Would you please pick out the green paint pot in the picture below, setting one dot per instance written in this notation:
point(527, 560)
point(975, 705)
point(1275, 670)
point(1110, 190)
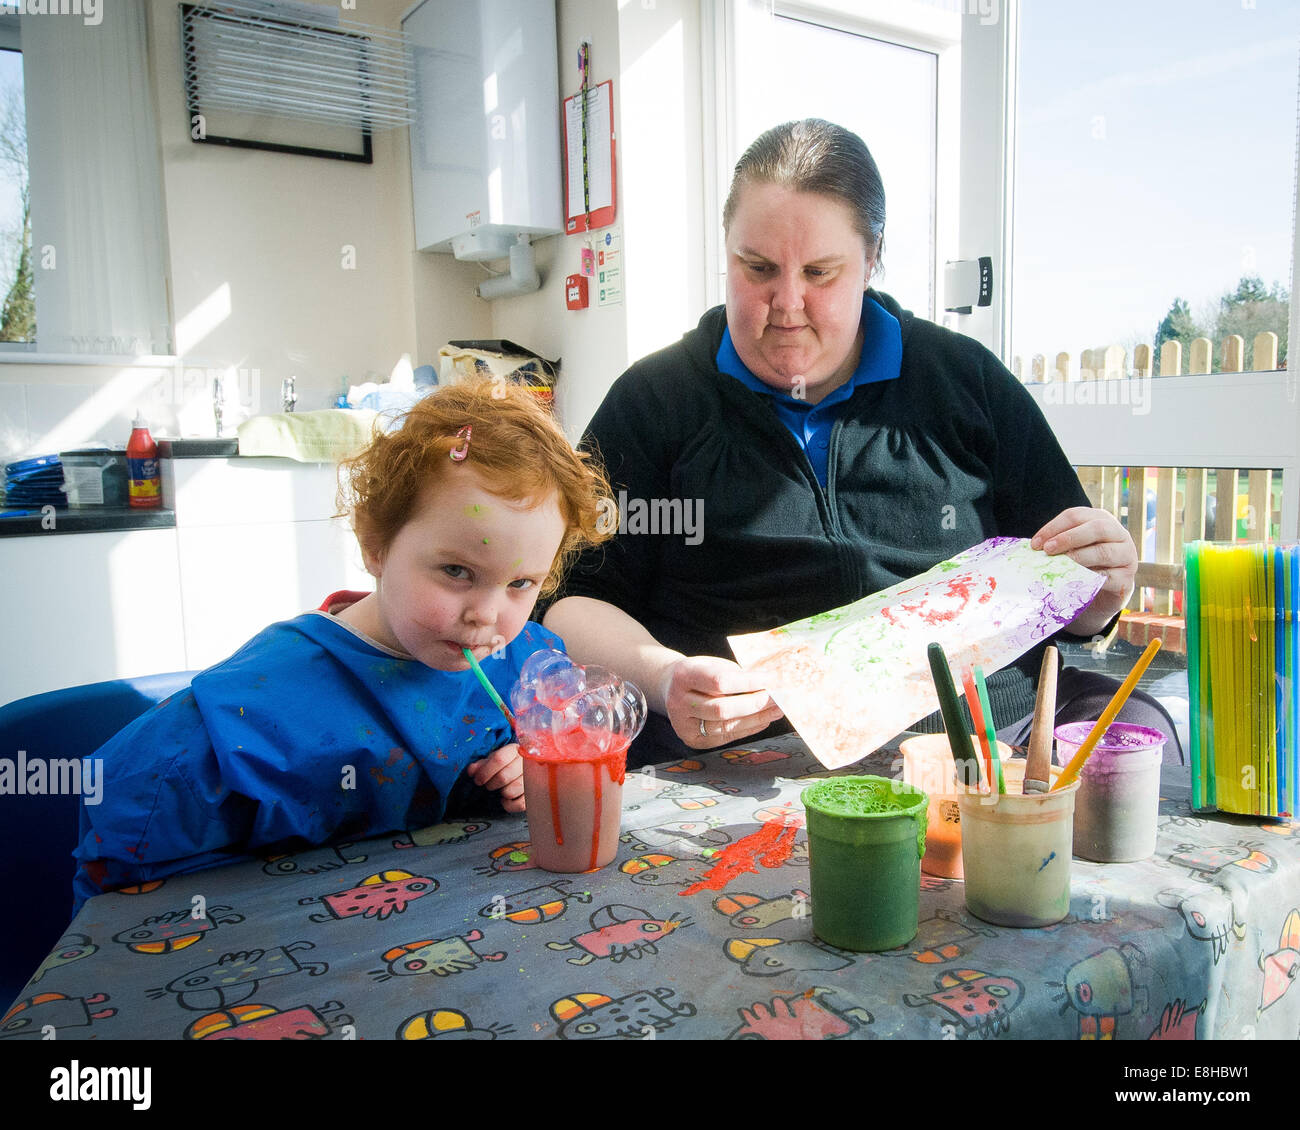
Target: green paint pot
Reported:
point(866, 836)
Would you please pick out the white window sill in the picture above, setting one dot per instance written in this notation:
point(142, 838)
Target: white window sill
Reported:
point(20, 356)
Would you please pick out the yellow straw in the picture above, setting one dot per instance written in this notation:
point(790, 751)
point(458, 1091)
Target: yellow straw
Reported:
point(1071, 771)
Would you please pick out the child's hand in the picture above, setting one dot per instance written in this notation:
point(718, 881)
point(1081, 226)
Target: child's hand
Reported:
point(501, 771)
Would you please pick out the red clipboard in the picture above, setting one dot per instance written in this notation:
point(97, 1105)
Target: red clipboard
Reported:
point(601, 166)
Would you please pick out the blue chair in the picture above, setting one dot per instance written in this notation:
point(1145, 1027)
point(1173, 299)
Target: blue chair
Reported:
point(38, 833)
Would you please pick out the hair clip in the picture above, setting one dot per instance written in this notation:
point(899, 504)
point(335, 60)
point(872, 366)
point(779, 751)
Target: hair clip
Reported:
point(459, 452)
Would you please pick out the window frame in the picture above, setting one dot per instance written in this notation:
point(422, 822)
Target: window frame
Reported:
point(11, 40)
point(905, 24)
point(31, 353)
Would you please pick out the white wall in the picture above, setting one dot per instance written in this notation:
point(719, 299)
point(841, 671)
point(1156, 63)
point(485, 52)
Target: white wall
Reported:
point(257, 243)
point(652, 53)
point(591, 343)
point(273, 231)
point(258, 280)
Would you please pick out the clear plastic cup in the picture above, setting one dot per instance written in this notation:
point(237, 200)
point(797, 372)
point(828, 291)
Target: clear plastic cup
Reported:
point(1016, 855)
point(1115, 813)
point(574, 803)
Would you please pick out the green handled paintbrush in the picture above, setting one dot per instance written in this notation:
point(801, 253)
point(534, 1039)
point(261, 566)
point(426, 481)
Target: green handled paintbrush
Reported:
point(959, 742)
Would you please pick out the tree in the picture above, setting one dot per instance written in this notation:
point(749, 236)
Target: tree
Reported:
point(18, 312)
point(1251, 309)
point(1178, 325)
point(1248, 310)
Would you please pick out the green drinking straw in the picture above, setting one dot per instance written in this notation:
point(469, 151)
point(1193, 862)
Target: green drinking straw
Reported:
point(958, 736)
point(989, 732)
point(491, 690)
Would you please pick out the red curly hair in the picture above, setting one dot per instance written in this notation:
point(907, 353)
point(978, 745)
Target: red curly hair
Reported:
point(516, 447)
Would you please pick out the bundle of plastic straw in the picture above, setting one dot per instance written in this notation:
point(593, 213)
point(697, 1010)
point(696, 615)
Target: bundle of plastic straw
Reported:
point(1243, 659)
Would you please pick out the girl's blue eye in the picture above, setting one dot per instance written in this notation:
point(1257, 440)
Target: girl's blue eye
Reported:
point(522, 583)
point(455, 572)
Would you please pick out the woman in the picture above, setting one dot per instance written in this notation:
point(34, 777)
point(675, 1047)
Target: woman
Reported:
point(833, 444)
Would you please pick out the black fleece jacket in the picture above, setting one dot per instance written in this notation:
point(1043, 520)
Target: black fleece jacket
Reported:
point(952, 452)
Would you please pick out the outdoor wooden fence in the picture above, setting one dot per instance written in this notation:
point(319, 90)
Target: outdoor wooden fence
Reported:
point(1246, 501)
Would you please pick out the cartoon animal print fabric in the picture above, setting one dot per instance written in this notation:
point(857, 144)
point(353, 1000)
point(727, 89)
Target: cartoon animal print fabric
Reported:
point(703, 927)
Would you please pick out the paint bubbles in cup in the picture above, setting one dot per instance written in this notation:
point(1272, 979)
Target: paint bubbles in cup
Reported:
point(560, 685)
point(541, 662)
point(522, 696)
point(585, 709)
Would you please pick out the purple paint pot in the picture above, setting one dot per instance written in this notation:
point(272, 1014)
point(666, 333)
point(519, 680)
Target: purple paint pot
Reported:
point(1119, 795)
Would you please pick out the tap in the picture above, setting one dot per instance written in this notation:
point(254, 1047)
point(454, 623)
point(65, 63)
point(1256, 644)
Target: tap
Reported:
point(288, 395)
point(218, 400)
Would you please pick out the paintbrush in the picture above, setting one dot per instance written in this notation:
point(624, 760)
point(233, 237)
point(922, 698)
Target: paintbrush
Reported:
point(958, 738)
point(977, 724)
point(491, 690)
point(1071, 771)
point(1038, 766)
point(990, 733)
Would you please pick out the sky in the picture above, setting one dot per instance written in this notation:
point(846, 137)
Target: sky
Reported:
point(1156, 159)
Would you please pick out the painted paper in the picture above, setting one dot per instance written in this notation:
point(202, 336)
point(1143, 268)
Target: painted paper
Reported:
point(851, 678)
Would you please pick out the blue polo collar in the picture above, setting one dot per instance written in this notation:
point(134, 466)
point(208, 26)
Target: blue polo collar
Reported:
point(881, 359)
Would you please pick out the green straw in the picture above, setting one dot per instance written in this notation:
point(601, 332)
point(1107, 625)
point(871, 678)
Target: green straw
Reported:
point(989, 732)
point(491, 690)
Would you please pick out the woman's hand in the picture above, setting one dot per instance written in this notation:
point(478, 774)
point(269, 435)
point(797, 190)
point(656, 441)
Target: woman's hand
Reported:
point(713, 702)
point(1096, 540)
point(501, 771)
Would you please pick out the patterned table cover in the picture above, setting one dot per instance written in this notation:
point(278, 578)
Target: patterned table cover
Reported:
point(700, 929)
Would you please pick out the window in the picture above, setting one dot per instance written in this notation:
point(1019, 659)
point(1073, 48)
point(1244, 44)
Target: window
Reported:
point(97, 220)
point(17, 308)
point(1148, 214)
point(1154, 180)
point(892, 84)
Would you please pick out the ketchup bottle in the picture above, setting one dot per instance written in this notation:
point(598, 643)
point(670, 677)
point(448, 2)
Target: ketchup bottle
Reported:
point(142, 467)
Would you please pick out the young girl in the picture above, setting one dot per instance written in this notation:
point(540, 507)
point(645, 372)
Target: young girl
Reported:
point(364, 716)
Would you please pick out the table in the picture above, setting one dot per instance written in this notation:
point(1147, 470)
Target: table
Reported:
point(701, 929)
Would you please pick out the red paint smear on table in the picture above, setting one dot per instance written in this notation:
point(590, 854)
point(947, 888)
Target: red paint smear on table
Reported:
point(771, 846)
